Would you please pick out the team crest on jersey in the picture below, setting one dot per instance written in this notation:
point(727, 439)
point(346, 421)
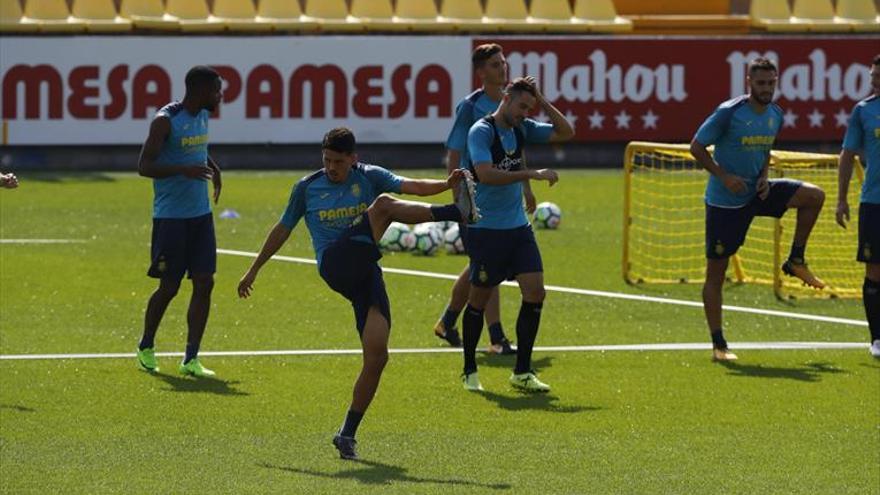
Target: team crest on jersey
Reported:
point(482, 275)
point(356, 190)
point(162, 265)
point(866, 251)
point(719, 248)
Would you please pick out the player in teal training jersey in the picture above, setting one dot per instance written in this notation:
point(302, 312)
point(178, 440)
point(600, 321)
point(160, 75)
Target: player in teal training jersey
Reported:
point(743, 131)
point(175, 156)
point(863, 134)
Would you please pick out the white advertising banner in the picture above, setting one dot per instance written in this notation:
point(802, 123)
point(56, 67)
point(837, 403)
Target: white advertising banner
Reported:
point(103, 90)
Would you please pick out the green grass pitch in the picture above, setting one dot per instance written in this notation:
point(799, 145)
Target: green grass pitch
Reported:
point(805, 421)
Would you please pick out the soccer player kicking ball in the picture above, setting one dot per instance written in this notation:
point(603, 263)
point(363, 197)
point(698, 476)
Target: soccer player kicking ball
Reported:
point(501, 245)
point(743, 131)
point(346, 213)
point(863, 133)
point(175, 156)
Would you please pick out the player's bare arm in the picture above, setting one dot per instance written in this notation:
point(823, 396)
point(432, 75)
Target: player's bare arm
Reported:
point(215, 178)
point(493, 176)
point(562, 129)
point(844, 175)
point(430, 187)
point(160, 128)
point(276, 238)
point(763, 185)
point(732, 182)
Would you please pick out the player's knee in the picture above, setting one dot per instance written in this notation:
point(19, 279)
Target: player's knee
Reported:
point(168, 289)
point(376, 358)
point(535, 294)
point(383, 203)
point(203, 284)
point(814, 195)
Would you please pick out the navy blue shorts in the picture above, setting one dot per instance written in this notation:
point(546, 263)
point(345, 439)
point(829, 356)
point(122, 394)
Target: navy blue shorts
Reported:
point(499, 255)
point(183, 246)
point(351, 268)
point(869, 233)
point(726, 228)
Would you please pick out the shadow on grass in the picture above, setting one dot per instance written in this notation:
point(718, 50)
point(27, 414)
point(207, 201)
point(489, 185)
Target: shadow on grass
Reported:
point(16, 407)
point(377, 473)
point(179, 383)
point(508, 362)
point(811, 372)
point(522, 401)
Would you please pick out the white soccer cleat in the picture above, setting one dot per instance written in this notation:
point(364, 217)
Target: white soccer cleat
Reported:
point(875, 349)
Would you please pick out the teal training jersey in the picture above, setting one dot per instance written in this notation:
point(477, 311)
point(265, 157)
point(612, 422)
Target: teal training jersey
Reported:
point(863, 134)
point(743, 140)
point(187, 144)
point(329, 208)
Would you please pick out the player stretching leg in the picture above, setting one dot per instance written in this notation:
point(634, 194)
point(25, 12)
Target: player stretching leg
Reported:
point(743, 131)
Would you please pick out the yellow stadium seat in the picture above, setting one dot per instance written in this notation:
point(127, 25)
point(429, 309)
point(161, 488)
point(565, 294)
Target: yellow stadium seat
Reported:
point(772, 15)
point(555, 15)
point(147, 14)
point(672, 7)
point(284, 15)
point(238, 15)
point(10, 18)
point(374, 15)
point(817, 15)
point(51, 16)
point(331, 15)
point(601, 16)
point(860, 14)
point(99, 16)
point(510, 16)
point(464, 15)
point(419, 15)
point(193, 15)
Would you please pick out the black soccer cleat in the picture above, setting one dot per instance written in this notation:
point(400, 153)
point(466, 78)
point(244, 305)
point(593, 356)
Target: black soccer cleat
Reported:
point(448, 334)
point(346, 447)
point(504, 348)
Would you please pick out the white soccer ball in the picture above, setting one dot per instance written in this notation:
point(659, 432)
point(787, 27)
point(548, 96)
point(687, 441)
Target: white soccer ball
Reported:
point(398, 237)
point(454, 243)
point(547, 215)
point(428, 239)
point(446, 225)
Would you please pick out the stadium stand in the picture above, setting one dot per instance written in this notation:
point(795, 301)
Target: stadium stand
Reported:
point(601, 15)
point(463, 15)
point(51, 16)
point(419, 15)
point(11, 18)
point(192, 15)
point(147, 14)
point(860, 14)
point(817, 15)
point(284, 15)
point(772, 15)
point(331, 16)
point(509, 16)
point(238, 15)
point(374, 15)
point(556, 15)
point(99, 16)
point(683, 17)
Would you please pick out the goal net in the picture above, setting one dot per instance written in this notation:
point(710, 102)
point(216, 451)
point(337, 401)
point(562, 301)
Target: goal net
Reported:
point(664, 224)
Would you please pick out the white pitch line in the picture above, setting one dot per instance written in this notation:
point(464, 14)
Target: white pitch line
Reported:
point(41, 241)
point(595, 293)
point(697, 346)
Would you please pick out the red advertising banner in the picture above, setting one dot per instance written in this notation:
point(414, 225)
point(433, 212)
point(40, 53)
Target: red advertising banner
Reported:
point(622, 89)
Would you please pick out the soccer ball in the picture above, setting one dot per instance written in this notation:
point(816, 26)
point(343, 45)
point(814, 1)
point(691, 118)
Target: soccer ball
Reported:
point(547, 215)
point(454, 243)
point(397, 237)
point(446, 225)
point(428, 239)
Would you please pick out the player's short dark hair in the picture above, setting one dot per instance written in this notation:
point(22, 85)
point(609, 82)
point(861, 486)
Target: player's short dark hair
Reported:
point(340, 139)
point(200, 76)
point(521, 85)
point(483, 53)
point(876, 60)
point(762, 63)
